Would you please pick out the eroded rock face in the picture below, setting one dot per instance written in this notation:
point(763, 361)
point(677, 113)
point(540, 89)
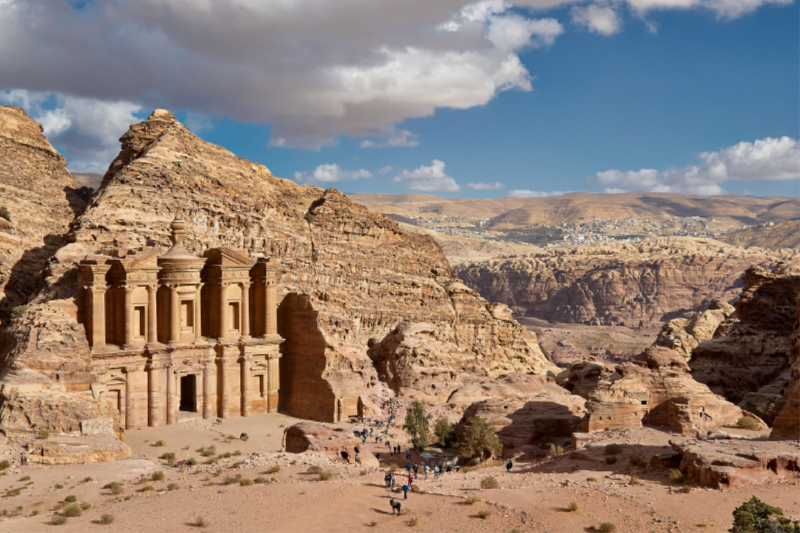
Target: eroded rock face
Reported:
point(730, 464)
point(69, 450)
point(333, 442)
point(655, 389)
point(634, 285)
point(787, 424)
point(684, 334)
point(752, 348)
point(350, 277)
point(523, 422)
point(39, 194)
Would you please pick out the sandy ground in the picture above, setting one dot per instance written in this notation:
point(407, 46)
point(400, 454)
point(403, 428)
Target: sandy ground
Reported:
point(532, 498)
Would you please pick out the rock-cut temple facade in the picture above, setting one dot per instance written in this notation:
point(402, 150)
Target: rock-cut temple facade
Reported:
point(174, 335)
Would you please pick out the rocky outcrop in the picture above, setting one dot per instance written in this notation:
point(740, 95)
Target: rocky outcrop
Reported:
point(655, 389)
point(787, 424)
point(634, 285)
point(752, 348)
point(730, 464)
point(351, 278)
point(682, 335)
point(308, 437)
point(41, 199)
point(522, 423)
point(68, 450)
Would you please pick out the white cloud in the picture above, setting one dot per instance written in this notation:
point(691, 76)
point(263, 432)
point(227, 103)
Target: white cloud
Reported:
point(480, 186)
point(524, 193)
point(330, 173)
point(393, 138)
point(385, 170)
point(86, 129)
point(599, 19)
point(430, 178)
point(763, 160)
point(724, 9)
point(514, 32)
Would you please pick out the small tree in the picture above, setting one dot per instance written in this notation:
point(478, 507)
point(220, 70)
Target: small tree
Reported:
point(754, 517)
point(418, 425)
point(443, 431)
point(477, 438)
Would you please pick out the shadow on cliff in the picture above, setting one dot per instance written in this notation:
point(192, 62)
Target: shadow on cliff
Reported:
point(22, 281)
point(537, 423)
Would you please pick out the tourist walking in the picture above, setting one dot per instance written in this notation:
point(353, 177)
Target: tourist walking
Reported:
point(509, 466)
point(394, 480)
point(387, 479)
point(405, 491)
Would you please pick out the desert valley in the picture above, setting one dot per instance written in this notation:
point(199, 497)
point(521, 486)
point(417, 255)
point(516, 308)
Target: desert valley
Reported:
point(190, 342)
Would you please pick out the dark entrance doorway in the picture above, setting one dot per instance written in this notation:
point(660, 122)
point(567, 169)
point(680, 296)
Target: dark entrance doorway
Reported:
point(188, 393)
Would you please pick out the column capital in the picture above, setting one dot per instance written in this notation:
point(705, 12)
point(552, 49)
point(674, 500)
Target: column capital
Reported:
point(152, 288)
point(95, 287)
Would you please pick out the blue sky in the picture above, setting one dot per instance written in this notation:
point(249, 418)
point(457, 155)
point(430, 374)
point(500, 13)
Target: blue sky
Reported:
point(638, 106)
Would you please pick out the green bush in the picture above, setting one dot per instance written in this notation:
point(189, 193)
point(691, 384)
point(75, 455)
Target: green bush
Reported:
point(167, 456)
point(24, 478)
point(159, 443)
point(260, 480)
point(106, 519)
point(676, 476)
point(43, 434)
point(173, 486)
point(86, 506)
point(5, 465)
point(274, 469)
point(58, 520)
point(72, 511)
point(607, 527)
point(687, 489)
point(484, 513)
point(755, 516)
point(471, 500)
point(57, 486)
point(325, 475)
point(192, 461)
point(87, 480)
point(18, 311)
point(489, 482)
point(634, 480)
point(573, 506)
point(244, 482)
point(147, 488)
point(556, 451)
point(748, 422)
point(315, 469)
point(115, 487)
point(158, 475)
point(71, 498)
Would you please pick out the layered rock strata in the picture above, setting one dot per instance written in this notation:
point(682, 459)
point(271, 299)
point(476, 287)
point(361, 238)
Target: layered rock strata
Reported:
point(351, 278)
point(682, 335)
point(751, 348)
point(636, 285)
point(309, 437)
point(656, 389)
point(41, 199)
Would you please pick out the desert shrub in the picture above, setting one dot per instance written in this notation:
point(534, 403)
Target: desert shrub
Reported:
point(115, 487)
point(71, 499)
point(260, 480)
point(372, 523)
point(225, 455)
point(325, 475)
point(158, 475)
point(24, 478)
point(613, 449)
point(755, 516)
point(237, 453)
point(237, 464)
point(86, 506)
point(484, 513)
point(13, 492)
point(453, 405)
point(515, 530)
point(58, 520)
point(611, 459)
point(43, 434)
point(167, 456)
point(634, 480)
point(72, 511)
point(556, 451)
point(747, 422)
point(106, 519)
point(200, 522)
point(573, 506)
point(147, 488)
point(207, 451)
point(4, 213)
point(5, 465)
point(364, 472)
point(591, 479)
point(607, 527)
point(274, 469)
point(35, 512)
point(687, 489)
point(229, 480)
point(476, 438)
point(676, 476)
point(412, 522)
point(86, 480)
point(58, 486)
point(192, 461)
point(18, 311)
point(159, 443)
point(471, 500)
point(489, 482)
point(173, 486)
point(245, 482)
point(315, 469)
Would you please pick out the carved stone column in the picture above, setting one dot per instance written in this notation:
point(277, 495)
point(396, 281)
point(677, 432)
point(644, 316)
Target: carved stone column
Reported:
point(197, 322)
point(223, 310)
point(273, 383)
point(97, 315)
point(244, 319)
point(153, 392)
point(174, 315)
point(223, 378)
point(272, 304)
point(208, 391)
point(245, 407)
point(127, 313)
point(130, 404)
point(152, 317)
point(171, 411)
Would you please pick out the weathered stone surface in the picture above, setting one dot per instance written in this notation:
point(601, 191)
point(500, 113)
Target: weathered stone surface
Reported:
point(523, 422)
point(69, 450)
point(350, 277)
point(309, 437)
point(684, 334)
point(752, 347)
point(729, 464)
point(655, 389)
point(787, 423)
point(41, 198)
point(635, 285)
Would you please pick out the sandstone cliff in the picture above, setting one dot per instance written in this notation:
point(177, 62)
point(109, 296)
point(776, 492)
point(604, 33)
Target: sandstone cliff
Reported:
point(749, 357)
point(351, 278)
point(634, 285)
point(39, 194)
point(684, 334)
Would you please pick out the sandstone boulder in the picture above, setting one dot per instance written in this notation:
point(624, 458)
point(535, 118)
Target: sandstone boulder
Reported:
point(70, 450)
point(309, 437)
point(684, 334)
